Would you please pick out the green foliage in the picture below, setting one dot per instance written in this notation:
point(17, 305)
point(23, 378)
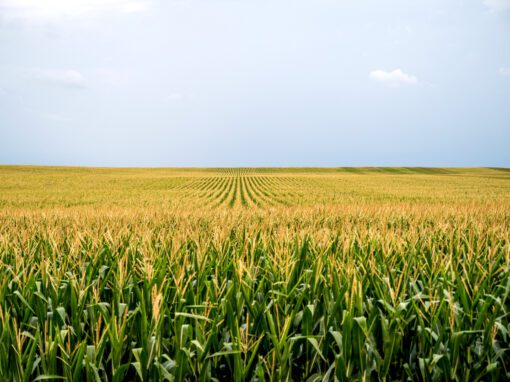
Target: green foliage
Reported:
point(352, 312)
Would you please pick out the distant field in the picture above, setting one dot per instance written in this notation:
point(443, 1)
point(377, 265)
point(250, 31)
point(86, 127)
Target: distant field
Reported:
point(259, 188)
point(256, 274)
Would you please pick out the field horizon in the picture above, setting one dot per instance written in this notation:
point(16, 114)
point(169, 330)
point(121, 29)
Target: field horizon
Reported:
point(337, 168)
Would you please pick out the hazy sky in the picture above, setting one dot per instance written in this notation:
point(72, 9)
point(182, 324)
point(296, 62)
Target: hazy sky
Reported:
point(255, 82)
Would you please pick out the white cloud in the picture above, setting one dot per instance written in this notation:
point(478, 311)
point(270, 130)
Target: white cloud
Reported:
point(69, 78)
point(172, 97)
point(394, 78)
point(52, 10)
point(56, 117)
point(505, 72)
point(497, 5)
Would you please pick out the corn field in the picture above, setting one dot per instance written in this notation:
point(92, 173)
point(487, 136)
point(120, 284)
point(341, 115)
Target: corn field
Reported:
point(344, 274)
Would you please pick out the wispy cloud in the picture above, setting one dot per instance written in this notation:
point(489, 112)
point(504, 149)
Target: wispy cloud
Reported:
point(68, 78)
point(56, 117)
point(394, 78)
point(505, 72)
point(497, 5)
point(52, 10)
point(173, 97)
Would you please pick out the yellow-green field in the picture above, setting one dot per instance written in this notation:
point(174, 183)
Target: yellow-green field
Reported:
point(254, 274)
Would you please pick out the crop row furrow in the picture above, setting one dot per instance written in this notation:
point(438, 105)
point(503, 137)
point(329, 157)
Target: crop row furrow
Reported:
point(190, 184)
point(217, 191)
point(251, 194)
point(227, 191)
point(259, 195)
point(234, 199)
point(194, 192)
point(243, 193)
point(209, 188)
point(262, 190)
point(270, 189)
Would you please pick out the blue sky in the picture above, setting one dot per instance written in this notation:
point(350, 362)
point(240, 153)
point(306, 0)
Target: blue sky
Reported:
point(255, 83)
